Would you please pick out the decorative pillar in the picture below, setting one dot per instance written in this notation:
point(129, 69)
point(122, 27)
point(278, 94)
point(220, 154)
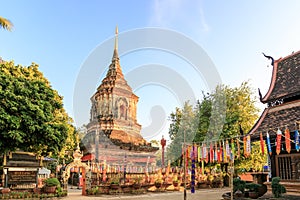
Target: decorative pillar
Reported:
point(163, 144)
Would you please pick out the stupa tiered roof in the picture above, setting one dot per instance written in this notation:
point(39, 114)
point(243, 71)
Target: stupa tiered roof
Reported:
point(113, 117)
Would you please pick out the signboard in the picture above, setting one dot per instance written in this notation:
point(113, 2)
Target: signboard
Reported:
point(17, 177)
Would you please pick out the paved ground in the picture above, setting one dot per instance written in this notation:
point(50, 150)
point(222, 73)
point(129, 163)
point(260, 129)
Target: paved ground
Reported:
point(209, 194)
point(205, 194)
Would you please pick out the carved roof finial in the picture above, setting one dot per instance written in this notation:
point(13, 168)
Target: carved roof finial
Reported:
point(116, 56)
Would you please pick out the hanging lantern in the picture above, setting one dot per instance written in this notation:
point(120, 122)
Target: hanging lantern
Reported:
point(278, 141)
point(287, 140)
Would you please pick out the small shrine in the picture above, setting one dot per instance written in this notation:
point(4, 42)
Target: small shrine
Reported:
point(279, 122)
point(113, 133)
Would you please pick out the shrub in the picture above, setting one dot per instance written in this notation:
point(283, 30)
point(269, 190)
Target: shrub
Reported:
point(253, 187)
point(115, 180)
point(52, 182)
point(277, 188)
point(238, 184)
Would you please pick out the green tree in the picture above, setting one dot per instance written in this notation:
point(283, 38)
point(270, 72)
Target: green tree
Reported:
point(158, 154)
point(5, 24)
point(32, 117)
point(183, 125)
point(219, 115)
point(225, 112)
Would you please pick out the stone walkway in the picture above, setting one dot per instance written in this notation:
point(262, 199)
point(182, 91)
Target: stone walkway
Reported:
point(209, 194)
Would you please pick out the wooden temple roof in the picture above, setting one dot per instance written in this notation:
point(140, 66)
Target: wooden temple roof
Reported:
point(285, 82)
point(280, 116)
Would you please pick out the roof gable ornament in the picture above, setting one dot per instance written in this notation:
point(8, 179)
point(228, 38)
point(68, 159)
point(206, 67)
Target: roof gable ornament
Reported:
point(269, 58)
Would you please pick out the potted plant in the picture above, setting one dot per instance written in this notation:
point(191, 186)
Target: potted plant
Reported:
point(239, 184)
point(137, 182)
point(253, 190)
point(51, 184)
point(114, 183)
point(158, 183)
point(175, 181)
point(5, 190)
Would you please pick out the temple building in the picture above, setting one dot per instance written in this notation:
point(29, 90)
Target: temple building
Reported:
point(281, 116)
point(113, 133)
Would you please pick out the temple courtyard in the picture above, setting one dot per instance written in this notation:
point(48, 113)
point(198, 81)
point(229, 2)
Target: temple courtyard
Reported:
point(207, 194)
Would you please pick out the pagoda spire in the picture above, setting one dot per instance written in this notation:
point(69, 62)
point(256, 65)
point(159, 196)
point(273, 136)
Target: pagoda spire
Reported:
point(116, 56)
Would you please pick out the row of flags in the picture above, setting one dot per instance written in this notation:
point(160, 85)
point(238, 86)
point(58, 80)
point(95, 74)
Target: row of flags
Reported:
point(226, 150)
point(121, 168)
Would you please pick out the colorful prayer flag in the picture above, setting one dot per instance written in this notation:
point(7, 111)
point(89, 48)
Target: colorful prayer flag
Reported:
point(199, 154)
point(278, 141)
point(211, 153)
point(221, 152)
point(297, 146)
point(269, 144)
point(238, 148)
point(224, 152)
point(287, 140)
point(247, 146)
point(232, 149)
point(262, 144)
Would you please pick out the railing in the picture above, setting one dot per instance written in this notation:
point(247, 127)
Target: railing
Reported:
point(284, 167)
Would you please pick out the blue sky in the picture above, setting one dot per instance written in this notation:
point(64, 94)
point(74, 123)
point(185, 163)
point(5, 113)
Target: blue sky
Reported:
point(60, 36)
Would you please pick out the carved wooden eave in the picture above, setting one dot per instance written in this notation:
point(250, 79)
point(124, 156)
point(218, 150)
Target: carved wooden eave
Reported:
point(280, 116)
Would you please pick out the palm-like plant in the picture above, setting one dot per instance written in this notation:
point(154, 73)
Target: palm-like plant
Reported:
point(5, 24)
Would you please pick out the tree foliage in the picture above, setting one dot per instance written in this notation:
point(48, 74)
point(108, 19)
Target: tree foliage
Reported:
point(5, 24)
point(182, 128)
point(32, 117)
point(225, 113)
point(255, 161)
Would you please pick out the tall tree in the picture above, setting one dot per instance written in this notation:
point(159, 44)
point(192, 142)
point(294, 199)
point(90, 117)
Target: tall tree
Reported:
point(32, 117)
point(5, 24)
point(181, 129)
point(221, 114)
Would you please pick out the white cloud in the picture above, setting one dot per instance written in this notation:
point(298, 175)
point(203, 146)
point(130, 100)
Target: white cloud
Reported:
point(179, 14)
